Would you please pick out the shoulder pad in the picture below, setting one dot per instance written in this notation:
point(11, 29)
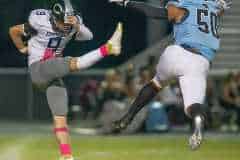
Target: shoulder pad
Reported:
point(38, 17)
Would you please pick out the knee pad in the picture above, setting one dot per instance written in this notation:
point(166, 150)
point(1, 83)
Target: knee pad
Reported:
point(194, 110)
point(156, 84)
point(57, 100)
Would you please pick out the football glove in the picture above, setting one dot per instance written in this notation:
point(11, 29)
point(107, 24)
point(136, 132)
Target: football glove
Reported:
point(120, 2)
point(224, 4)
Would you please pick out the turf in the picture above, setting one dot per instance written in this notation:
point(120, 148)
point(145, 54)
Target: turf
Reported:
point(6, 141)
point(135, 148)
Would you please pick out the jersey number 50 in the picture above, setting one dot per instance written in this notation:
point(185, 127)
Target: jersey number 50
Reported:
point(204, 26)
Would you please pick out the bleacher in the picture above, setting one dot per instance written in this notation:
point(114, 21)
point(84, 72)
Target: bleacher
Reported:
point(229, 57)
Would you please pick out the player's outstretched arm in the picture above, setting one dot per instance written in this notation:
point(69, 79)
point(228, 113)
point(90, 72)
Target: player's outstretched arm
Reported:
point(147, 9)
point(83, 33)
point(16, 33)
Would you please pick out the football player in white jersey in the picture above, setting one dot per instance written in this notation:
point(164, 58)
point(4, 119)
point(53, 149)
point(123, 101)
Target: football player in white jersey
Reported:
point(49, 31)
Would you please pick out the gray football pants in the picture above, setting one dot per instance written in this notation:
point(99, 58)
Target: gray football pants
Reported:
point(47, 76)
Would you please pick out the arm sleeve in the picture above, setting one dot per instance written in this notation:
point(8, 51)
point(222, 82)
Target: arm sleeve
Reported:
point(84, 33)
point(148, 10)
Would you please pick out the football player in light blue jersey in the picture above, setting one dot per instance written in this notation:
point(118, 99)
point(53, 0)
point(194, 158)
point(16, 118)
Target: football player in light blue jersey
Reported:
point(195, 27)
point(199, 27)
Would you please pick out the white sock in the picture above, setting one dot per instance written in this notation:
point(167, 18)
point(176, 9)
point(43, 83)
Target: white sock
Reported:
point(89, 59)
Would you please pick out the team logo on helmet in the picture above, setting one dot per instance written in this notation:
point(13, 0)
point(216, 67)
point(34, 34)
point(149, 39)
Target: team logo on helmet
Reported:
point(61, 8)
point(57, 9)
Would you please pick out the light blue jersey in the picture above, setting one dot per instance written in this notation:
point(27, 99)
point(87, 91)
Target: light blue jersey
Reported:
point(198, 29)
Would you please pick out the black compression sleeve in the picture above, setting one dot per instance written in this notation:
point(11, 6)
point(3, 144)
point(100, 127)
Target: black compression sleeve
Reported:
point(146, 94)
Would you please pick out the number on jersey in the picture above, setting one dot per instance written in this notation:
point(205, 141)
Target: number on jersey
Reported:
point(54, 43)
point(204, 26)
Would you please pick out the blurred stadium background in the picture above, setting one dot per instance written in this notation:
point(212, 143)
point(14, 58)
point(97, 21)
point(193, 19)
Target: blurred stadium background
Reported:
point(102, 94)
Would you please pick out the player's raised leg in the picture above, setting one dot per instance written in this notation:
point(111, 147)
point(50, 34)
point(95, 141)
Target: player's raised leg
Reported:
point(62, 66)
point(148, 92)
point(112, 47)
point(146, 95)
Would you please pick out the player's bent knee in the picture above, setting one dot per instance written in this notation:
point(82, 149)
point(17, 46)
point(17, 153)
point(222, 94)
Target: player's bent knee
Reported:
point(194, 110)
point(57, 100)
point(73, 64)
point(159, 84)
point(156, 84)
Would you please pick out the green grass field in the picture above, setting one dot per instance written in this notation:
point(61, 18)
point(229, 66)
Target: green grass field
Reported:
point(35, 147)
point(6, 141)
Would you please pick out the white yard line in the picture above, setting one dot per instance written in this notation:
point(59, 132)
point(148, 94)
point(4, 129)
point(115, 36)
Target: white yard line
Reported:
point(13, 152)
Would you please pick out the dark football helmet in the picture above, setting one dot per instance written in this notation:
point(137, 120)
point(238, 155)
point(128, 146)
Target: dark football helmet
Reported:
point(61, 9)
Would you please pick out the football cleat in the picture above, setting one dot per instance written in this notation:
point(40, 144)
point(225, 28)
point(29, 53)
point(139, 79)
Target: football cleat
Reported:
point(119, 125)
point(114, 45)
point(196, 139)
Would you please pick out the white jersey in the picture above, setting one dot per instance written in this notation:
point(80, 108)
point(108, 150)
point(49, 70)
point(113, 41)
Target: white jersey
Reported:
point(48, 42)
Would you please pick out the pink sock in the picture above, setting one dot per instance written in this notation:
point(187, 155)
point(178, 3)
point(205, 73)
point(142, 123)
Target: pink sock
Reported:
point(65, 149)
point(104, 50)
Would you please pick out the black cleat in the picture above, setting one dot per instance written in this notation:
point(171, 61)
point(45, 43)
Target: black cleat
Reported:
point(119, 125)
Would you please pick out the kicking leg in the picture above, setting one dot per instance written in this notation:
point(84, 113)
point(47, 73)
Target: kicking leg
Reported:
point(46, 71)
point(149, 91)
point(112, 47)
